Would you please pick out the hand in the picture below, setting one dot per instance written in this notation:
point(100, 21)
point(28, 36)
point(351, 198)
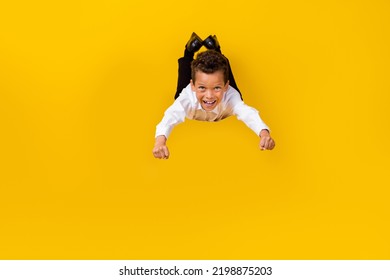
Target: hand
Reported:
point(160, 149)
point(266, 142)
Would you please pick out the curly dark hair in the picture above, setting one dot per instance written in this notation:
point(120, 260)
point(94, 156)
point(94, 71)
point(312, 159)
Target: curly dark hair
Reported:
point(209, 62)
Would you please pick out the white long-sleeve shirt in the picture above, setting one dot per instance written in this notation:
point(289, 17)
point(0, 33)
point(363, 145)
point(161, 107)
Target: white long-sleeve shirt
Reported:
point(187, 106)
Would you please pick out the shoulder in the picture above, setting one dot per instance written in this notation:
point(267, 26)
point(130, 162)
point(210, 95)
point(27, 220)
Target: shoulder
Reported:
point(187, 96)
point(186, 101)
point(232, 97)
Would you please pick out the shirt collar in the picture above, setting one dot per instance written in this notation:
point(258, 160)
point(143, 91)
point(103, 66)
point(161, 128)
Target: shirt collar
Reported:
point(215, 110)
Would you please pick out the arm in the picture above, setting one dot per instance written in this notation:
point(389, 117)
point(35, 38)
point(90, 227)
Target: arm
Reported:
point(250, 116)
point(174, 115)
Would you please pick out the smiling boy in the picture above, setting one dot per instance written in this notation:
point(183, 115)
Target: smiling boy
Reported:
point(211, 94)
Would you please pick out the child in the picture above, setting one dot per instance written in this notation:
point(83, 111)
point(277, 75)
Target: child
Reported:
point(206, 91)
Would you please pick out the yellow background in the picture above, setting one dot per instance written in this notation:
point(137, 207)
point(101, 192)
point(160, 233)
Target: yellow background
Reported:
point(84, 83)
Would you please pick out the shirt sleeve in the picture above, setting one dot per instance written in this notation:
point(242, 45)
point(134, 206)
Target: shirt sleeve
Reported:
point(249, 115)
point(174, 115)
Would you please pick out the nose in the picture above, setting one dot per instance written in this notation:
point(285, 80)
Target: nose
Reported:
point(209, 93)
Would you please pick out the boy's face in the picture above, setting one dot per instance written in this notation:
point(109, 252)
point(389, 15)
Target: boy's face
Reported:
point(209, 89)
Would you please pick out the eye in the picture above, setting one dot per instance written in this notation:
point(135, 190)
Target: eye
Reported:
point(218, 88)
point(201, 88)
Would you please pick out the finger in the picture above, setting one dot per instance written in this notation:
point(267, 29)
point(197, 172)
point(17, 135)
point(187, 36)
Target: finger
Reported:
point(162, 153)
point(270, 144)
point(158, 153)
point(165, 152)
point(262, 143)
point(155, 153)
point(265, 143)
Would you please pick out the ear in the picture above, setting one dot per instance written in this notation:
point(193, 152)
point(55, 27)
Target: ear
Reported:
point(192, 85)
point(227, 85)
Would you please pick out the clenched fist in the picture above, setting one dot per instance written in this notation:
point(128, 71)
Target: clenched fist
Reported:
point(160, 149)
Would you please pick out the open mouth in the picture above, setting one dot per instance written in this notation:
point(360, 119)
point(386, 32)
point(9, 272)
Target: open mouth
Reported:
point(209, 103)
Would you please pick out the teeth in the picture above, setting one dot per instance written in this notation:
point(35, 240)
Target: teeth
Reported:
point(209, 102)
